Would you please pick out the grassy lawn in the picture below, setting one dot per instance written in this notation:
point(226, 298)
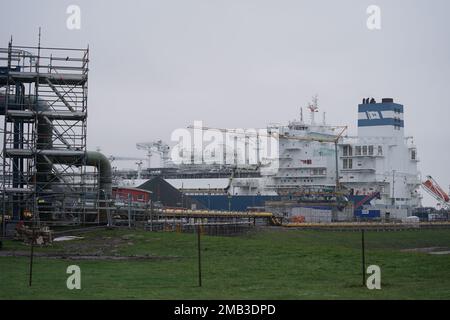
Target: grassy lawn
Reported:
point(269, 264)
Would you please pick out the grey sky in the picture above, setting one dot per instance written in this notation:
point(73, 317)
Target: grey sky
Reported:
point(160, 65)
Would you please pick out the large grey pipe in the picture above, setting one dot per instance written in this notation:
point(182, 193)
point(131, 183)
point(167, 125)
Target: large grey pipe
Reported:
point(101, 162)
point(45, 133)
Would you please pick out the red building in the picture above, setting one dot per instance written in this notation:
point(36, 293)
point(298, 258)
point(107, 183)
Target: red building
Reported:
point(136, 195)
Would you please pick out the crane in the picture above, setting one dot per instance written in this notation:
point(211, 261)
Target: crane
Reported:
point(139, 165)
point(155, 146)
point(119, 158)
point(367, 199)
point(434, 189)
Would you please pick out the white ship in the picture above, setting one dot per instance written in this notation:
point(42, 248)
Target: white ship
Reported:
point(375, 170)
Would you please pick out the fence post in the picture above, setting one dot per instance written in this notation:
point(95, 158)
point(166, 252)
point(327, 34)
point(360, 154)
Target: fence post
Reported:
point(363, 256)
point(30, 279)
point(129, 210)
point(199, 256)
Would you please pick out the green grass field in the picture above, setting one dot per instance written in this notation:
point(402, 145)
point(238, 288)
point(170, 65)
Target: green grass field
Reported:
point(272, 263)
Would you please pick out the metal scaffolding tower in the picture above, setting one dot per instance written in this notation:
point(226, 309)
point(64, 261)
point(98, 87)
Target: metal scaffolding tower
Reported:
point(43, 98)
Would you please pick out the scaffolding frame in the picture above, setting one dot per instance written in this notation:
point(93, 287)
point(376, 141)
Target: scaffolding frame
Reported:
point(45, 92)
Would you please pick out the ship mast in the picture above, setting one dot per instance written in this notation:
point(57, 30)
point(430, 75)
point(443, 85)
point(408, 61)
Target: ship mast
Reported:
point(313, 108)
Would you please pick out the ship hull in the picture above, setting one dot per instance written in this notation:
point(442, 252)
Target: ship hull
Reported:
point(246, 202)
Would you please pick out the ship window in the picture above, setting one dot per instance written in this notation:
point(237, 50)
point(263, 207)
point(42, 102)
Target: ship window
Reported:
point(380, 150)
point(348, 152)
point(413, 154)
point(358, 150)
point(348, 163)
point(370, 150)
point(364, 150)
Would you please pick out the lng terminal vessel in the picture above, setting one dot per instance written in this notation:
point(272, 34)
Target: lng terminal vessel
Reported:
point(315, 165)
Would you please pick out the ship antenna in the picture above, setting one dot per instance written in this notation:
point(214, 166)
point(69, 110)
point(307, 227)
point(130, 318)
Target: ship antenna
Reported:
point(301, 114)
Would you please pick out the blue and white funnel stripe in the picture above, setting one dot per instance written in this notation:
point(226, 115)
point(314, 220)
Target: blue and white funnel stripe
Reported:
point(380, 114)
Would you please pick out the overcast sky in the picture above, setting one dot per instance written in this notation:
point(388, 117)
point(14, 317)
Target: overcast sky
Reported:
point(160, 65)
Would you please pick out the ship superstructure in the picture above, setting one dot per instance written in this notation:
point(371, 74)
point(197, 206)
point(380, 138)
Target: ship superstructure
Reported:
point(381, 158)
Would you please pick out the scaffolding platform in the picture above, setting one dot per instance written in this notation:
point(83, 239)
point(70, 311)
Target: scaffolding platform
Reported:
point(44, 78)
point(43, 101)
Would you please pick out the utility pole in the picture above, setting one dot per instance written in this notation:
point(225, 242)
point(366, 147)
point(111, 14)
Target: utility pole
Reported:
point(393, 187)
point(337, 163)
point(209, 196)
point(182, 195)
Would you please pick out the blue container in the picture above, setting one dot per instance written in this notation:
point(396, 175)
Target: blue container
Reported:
point(367, 214)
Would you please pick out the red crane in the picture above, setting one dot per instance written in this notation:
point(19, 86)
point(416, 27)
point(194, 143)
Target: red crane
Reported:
point(367, 198)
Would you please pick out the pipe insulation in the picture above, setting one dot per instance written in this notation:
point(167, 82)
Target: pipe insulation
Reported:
point(44, 144)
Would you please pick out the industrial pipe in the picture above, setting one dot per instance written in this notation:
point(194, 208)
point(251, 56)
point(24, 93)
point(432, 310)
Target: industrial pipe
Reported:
point(101, 162)
point(44, 146)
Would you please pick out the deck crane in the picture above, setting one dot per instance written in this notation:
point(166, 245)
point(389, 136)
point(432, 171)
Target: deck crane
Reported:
point(367, 199)
point(434, 189)
point(119, 158)
point(159, 147)
point(138, 162)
